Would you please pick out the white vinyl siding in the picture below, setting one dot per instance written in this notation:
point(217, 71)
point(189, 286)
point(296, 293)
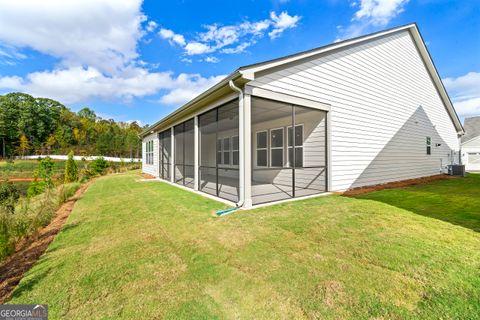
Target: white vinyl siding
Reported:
point(383, 105)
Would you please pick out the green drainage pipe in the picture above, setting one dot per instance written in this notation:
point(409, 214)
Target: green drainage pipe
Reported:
point(226, 211)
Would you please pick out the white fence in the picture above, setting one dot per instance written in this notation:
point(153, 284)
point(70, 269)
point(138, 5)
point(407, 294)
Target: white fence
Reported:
point(90, 158)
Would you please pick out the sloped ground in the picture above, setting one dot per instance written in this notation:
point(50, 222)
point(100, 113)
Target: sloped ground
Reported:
point(149, 250)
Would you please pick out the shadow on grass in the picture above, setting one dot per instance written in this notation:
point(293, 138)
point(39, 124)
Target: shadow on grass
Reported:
point(456, 201)
point(28, 284)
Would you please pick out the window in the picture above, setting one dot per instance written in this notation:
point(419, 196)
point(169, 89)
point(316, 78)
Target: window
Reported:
point(276, 147)
point(429, 145)
point(226, 151)
point(149, 152)
point(219, 151)
point(262, 149)
point(298, 140)
point(235, 151)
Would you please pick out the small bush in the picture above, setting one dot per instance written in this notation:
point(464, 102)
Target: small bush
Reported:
point(98, 166)
point(9, 196)
point(71, 170)
point(43, 177)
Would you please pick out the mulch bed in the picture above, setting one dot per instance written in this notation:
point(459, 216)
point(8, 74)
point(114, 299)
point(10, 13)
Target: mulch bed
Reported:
point(396, 184)
point(30, 249)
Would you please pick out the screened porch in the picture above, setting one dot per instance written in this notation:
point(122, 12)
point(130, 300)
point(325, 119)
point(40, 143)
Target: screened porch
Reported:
point(287, 146)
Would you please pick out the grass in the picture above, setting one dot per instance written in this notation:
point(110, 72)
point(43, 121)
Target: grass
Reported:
point(149, 250)
point(26, 168)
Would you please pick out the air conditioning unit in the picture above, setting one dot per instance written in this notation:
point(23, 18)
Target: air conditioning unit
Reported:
point(456, 170)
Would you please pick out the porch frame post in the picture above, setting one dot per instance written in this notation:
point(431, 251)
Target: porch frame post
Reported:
point(172, 151)
point(196, 141)
point(246, 173)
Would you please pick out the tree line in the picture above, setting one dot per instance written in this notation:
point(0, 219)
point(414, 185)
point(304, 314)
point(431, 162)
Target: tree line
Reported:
point(30, 125)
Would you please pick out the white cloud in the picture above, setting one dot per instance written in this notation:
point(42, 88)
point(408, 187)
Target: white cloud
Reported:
point(172, 36)
point(95, 42)
point(371, 14)
point(194, 48)
point(230, 39)
point(151, 26)
point(82, 84)
point(379, 12)
point(102, 34)
point(465, 93)
point(281, 23)
point(212, 59)
point(187, 87)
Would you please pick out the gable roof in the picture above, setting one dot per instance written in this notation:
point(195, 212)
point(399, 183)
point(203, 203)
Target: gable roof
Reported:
point(248, 72)
point(472, 129)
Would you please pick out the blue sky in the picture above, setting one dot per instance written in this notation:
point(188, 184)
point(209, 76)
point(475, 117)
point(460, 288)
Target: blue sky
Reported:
point(139, 60)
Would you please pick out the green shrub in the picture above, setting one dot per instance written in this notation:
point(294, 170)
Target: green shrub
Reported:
point(9, 196)
point(71, 170)
point(43, 177)
point(98, 166)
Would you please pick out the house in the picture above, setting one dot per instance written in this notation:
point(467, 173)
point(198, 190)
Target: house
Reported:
point(364, 111)
point(471, 144)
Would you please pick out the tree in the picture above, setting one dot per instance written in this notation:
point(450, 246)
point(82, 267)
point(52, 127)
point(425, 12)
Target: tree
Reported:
point(71, 170)
point(24, 145)
point(88, 114)
point(48, 126)
point(50, 143)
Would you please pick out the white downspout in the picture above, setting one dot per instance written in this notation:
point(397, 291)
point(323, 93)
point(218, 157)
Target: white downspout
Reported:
point(241, 142)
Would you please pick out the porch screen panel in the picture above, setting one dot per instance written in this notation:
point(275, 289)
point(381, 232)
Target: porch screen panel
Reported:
point(307, 151)
point(219, 151)
point(164, 155)
point(271, 177)
point(228, 172)
point(207, 126)
point(179, 153)
point(189, 161)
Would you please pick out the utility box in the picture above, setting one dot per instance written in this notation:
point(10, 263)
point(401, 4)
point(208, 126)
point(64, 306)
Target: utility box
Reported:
point(456, 170)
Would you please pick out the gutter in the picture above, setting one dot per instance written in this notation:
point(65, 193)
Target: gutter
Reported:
point(241, 142)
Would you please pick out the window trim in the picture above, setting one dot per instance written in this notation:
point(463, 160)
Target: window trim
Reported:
point(235, 150)
point(257, 148)
point(149, 152)
point(270, 148)
point(219, 148)
point(428, 143)
point(224, 150)
point(293, 143)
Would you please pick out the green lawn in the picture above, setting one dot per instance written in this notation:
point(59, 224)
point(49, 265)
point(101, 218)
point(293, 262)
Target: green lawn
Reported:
point(149, 250)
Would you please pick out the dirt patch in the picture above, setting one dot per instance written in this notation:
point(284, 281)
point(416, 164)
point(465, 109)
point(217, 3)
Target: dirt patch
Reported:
point(396, 184)
point(147, 176)
point(29, 250)
point(20, 179)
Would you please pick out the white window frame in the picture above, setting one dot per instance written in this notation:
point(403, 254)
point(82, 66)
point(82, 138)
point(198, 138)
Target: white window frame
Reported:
point(257, 148)
point(293, 142)
point(229, 151)
point(220, 150)
point(276, 148)
point(428, 149)
point(234, 150)
point(149, 152)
